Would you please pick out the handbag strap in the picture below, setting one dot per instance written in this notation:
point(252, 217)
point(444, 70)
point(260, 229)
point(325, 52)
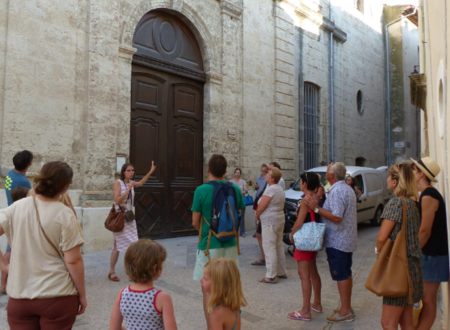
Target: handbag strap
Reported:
point(128, 196)
point(313, 215)
point(404, 221)
point(43, 231)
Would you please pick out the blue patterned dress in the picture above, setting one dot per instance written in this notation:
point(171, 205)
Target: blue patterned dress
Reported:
point(394, 212)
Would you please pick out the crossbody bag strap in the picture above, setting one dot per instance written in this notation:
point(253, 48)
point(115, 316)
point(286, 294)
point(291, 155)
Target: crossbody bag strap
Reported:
point(403, 232)
point(43, 231)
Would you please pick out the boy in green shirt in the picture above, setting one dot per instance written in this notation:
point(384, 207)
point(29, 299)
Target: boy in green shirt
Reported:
point(201, 208)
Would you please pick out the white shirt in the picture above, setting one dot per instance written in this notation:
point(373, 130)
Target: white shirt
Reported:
point(282, 184)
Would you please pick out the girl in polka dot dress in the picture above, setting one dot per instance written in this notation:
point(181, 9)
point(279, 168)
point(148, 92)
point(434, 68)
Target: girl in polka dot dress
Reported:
point(222, 281)
point(141, 305)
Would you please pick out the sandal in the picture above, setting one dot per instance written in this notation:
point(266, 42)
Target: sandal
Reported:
point(283, 276)
point(270, 281)
point(315, 309)
point(259, 263)
point(115, 278)
point(298, 317)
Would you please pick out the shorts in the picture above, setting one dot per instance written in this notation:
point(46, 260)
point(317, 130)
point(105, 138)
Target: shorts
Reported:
point(229, 252)
point(8, 247)
point(304, 255)
point(340, 264)
point(258, 229)
point(435, 269)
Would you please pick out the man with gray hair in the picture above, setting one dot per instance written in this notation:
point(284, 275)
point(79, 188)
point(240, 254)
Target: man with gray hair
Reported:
point(339, 215)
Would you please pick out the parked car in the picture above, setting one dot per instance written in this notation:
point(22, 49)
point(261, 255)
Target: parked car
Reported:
point(371, 182)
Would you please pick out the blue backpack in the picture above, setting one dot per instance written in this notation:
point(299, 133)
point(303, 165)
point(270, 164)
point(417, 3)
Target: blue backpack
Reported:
point(225, 217)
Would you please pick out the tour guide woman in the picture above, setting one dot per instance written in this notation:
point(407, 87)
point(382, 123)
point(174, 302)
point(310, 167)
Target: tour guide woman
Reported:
point(123, 191)
point(402, 182)
point(46, 273)
point(271, 214)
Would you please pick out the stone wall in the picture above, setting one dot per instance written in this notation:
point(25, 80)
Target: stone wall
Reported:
point(65, 73)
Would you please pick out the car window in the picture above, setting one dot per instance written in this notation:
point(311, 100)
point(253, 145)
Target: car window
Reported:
point(359, 183)
point(373, 182)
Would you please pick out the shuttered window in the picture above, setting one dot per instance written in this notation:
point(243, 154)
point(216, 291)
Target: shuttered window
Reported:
point(311, 102)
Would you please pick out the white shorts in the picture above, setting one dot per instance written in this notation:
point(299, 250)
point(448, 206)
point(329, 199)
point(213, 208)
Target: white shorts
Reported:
point(229, 252)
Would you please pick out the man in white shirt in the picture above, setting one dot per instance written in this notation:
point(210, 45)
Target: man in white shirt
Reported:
point(281, 182)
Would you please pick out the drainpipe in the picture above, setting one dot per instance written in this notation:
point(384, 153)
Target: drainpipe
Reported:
point(389, 84)
point(331, 93)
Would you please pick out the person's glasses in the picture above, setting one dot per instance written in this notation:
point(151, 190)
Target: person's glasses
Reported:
point(129, 171)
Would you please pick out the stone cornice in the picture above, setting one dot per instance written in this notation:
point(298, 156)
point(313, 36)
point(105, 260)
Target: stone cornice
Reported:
point(229, 8)
point(126, 52)
point(214, 78)
point(324, 23)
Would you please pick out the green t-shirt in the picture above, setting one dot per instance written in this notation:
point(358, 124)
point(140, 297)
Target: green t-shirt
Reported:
point(203, 199)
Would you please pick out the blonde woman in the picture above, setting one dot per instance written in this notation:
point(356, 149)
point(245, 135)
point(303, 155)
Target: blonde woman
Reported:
point(222, 280)
point(397, 311)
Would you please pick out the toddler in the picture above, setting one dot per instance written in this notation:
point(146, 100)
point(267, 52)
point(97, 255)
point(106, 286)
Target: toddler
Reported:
point(221, 279)
point(141, 305)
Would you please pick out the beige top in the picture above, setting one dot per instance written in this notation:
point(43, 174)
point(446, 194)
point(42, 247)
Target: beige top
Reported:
point(36, 270)
point(274, 213)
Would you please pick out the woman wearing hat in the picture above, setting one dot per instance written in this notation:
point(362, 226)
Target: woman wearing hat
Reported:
point(432, 237)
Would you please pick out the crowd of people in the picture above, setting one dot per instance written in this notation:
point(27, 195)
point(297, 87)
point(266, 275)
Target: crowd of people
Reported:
point(43, 269)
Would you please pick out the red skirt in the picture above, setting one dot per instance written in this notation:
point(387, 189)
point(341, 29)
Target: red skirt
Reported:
point(304, 255)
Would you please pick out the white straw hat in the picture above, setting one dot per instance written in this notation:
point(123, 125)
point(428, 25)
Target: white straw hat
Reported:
point(429, 167)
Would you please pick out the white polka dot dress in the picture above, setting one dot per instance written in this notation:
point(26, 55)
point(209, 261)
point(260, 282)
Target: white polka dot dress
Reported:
point(139, 310)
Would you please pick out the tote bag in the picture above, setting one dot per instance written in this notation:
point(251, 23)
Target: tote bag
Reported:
point(310, 236)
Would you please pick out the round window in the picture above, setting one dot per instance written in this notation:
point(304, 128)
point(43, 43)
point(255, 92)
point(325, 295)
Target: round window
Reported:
point(359, 102)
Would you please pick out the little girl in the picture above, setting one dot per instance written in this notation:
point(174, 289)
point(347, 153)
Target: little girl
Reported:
point(222, 280)
point(141, 305)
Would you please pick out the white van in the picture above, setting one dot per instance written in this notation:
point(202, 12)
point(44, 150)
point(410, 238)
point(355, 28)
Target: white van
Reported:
point(371, 182)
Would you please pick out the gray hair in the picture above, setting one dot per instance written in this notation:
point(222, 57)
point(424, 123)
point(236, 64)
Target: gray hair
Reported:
point(339, 171)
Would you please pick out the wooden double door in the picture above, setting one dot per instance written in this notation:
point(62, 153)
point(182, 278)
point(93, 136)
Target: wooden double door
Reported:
point(167, 127)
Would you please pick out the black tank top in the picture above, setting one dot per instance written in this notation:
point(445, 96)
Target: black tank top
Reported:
point(437, 244)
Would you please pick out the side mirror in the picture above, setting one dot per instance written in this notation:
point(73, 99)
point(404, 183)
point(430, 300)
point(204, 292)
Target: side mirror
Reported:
point(292, 184)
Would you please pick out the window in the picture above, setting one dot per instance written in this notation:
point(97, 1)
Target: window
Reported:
point(359, 102)
point(359, 5)
point(311, 102)
point(360, 161)
point(373, 182)
point(358, 180)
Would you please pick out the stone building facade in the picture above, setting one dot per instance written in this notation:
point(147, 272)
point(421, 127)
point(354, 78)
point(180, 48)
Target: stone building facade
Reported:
point(84, 82)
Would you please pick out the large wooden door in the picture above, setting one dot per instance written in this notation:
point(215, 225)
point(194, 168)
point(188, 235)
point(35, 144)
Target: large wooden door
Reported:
point(166, 124)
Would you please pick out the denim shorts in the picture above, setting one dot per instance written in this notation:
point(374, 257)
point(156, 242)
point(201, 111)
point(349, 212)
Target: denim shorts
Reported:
point(8, 247)
point(435, 269)
point(340, 264)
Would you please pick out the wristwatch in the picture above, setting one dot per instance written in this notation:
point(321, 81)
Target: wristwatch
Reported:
point(316, 210)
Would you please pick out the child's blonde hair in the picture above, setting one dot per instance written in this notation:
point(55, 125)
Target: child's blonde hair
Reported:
point(226, 289)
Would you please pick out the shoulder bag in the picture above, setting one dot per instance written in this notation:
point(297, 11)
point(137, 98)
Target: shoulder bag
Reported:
point(115, 221)
point(310, 236)
point(390, 275)
point(248, 200)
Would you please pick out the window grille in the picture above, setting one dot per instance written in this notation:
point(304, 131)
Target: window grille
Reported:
point(311, 101)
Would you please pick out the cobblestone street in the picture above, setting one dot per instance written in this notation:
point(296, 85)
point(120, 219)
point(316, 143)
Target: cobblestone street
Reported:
point(268, 304)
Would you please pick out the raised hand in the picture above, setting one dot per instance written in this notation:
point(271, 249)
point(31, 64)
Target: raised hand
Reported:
point(153, 167)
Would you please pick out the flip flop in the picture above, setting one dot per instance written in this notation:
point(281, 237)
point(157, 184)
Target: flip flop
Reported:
point(282, 276)
point(116, 279)
point(270, 281)
point(259, 263)
point(314, 309)
point(298, 317)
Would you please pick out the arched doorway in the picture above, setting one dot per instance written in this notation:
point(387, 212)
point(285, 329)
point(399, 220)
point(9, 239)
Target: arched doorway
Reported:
point(166, 124)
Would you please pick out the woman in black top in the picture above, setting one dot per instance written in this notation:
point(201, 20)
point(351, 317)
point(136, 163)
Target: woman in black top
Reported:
point(432, 237)
point(306, 260)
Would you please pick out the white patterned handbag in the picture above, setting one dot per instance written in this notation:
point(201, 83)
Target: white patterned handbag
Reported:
point(310, 236)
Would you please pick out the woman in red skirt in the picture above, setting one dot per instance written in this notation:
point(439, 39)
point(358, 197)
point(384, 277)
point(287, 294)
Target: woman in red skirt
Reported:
point(306, 260)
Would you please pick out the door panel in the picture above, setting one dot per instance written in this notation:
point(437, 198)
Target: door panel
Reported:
point(167, 127)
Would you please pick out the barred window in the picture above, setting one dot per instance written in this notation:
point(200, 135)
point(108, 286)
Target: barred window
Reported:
point(311, 103)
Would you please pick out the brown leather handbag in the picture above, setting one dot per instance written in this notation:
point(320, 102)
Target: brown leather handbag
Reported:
point(115, 221)
point(390, 275)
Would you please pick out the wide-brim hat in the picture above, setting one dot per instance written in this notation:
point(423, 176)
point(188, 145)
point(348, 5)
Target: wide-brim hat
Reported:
point(429, 167)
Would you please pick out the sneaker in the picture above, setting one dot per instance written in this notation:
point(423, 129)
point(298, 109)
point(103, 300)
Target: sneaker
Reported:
point(339, 319)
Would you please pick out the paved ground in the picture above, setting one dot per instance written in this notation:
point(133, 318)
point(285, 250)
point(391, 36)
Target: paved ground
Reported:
point(268, 304)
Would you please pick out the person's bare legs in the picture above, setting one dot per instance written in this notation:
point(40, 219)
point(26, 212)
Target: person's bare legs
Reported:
point(4, 279)
point(206, 297)
point(428, 314)
point(304, 274)
point(390, 318)
point(316, 285)
point(113, 260)
point(259, 238)
point(406, 320)
point(345, 292)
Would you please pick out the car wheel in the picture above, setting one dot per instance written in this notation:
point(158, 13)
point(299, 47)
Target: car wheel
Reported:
point(376, 221)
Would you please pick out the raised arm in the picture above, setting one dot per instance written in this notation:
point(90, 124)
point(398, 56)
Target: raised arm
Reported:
point(145, 178)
